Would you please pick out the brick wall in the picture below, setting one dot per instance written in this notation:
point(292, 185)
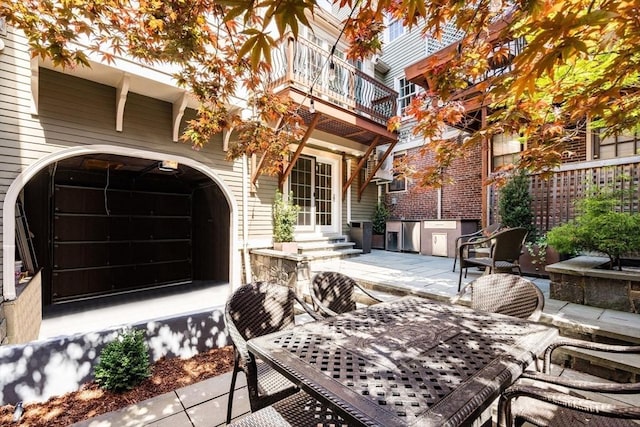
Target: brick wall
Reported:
point(460, 200)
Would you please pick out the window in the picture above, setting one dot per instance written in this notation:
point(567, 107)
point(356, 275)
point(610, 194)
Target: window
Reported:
point(394, 30)
point(612, 146)
point(399, 182)
point(506, 150)
point(406, 92)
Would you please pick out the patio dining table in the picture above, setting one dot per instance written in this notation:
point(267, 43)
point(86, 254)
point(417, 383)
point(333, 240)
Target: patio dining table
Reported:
point(406, 362)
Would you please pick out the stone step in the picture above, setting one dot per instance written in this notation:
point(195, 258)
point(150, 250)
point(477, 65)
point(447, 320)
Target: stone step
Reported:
point(611, 366)
point(327, 254)
point(315, 246)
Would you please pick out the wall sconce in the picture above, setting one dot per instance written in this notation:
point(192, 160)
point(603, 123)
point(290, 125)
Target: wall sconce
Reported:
point(168, 165)
point(332, 71)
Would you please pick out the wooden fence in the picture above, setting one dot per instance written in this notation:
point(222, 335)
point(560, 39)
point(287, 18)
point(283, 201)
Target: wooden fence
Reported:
point(553, 199)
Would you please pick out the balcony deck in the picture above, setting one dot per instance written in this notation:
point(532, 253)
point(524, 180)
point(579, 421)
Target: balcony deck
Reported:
point(352, 104)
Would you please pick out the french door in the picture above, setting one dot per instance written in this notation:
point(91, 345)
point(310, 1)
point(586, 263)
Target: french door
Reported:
point(313, 184)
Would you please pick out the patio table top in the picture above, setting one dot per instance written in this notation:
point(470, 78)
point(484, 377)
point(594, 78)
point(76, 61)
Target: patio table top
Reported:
point(409, 361)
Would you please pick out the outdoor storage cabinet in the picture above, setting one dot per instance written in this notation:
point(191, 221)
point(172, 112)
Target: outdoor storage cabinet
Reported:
point(438, 237)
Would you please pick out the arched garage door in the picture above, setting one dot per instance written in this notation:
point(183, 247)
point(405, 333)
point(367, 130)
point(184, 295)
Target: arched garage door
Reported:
point(104, 224)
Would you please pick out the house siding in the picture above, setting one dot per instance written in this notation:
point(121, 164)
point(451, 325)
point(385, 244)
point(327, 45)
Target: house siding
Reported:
point(15, 117)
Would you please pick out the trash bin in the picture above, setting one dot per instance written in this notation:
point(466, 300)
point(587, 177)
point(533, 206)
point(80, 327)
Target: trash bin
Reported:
point(361, 232)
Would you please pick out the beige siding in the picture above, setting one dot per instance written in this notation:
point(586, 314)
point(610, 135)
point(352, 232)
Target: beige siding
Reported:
point(360, 210)
point(75, 112)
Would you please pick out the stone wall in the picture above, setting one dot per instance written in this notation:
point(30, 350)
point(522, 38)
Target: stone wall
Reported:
point(580, 281)
point(274, 266)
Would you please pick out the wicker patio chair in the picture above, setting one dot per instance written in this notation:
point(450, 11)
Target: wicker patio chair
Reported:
point(333, 293)
point(505, 294)
point(472, 237)
point(254, 310)
point(543, 399)
point(298, 410)
point(505, 251)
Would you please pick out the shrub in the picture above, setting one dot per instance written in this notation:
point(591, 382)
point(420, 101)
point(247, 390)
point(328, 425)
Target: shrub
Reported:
point(514, 205)
point(380, 216)
point(599, 226)
point(124, 362)
point(285, 218)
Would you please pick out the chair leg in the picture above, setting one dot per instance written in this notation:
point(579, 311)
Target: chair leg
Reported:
point(455, 259)
point(460, 277)
point(236, 367)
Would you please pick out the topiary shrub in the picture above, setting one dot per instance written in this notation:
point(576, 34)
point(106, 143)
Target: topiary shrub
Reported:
point(285, 218)
point(124, 362)
point(514, 205)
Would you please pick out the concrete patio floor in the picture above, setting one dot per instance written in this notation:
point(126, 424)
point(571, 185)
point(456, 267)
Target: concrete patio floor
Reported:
point(204, 404)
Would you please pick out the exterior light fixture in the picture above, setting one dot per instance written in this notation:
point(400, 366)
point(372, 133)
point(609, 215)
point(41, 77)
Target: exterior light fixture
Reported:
point(312, 105)
point(332, 71)
point(168, 165)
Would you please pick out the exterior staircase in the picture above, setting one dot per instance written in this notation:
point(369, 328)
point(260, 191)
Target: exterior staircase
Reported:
point(324, 248)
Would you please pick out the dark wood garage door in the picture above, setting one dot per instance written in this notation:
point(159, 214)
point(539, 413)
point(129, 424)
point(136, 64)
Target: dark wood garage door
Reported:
point(113, 240)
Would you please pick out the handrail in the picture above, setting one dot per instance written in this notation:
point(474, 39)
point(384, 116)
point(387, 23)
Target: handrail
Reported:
point(304, 64)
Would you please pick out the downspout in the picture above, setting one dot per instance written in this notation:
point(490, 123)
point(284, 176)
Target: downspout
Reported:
point(348, 192)
point(439, 203)
point(245, 219)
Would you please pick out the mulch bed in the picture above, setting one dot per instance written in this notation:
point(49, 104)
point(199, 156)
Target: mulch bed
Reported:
point(167, 375)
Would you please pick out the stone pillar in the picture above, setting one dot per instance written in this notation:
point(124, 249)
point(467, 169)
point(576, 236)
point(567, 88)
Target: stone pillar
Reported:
point(281, 268)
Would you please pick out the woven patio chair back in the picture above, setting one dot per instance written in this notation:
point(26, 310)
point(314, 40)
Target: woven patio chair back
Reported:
point(507, 294)
point(333, 291)
point(549, 399)
point(254, 310)
point(507, 244)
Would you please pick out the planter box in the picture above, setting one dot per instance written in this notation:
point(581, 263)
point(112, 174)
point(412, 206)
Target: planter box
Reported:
point(286, 247)
point(377, 241)
point(578, 280)
point(529, 268)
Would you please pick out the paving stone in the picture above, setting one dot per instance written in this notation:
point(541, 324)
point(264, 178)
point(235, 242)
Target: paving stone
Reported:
point(208, 389)
point(146, 412)
point(214, 412)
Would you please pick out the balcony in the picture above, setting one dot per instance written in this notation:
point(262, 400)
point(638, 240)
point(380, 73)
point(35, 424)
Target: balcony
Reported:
point(346, 102)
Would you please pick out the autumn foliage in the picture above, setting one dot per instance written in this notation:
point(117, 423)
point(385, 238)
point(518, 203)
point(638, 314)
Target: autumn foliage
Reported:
point(580, 62)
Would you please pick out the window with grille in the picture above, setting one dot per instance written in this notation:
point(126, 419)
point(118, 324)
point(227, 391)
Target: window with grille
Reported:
point(506, 150)
point(406, 92)
point(612, 146)
point(394, 30)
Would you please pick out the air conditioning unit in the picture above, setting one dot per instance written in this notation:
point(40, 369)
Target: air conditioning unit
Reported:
point(384, 173)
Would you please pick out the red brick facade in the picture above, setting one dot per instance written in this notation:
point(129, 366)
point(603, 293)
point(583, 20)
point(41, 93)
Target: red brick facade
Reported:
point(461, 200)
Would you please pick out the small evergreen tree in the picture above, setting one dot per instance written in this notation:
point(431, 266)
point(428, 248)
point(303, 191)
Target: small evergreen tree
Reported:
point(124, 362)
point(285, 218)
point(380, 216)
point(514, 206)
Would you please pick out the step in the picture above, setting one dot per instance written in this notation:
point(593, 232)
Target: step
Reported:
point(318, 246)
point(324, 255)
point(617, 367)
point(314, 237)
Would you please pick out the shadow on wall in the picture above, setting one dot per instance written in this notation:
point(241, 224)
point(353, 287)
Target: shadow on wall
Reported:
point(35, 371)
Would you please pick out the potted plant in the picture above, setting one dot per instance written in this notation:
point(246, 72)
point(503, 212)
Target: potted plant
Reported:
point(285, 217)
point(379, 225)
